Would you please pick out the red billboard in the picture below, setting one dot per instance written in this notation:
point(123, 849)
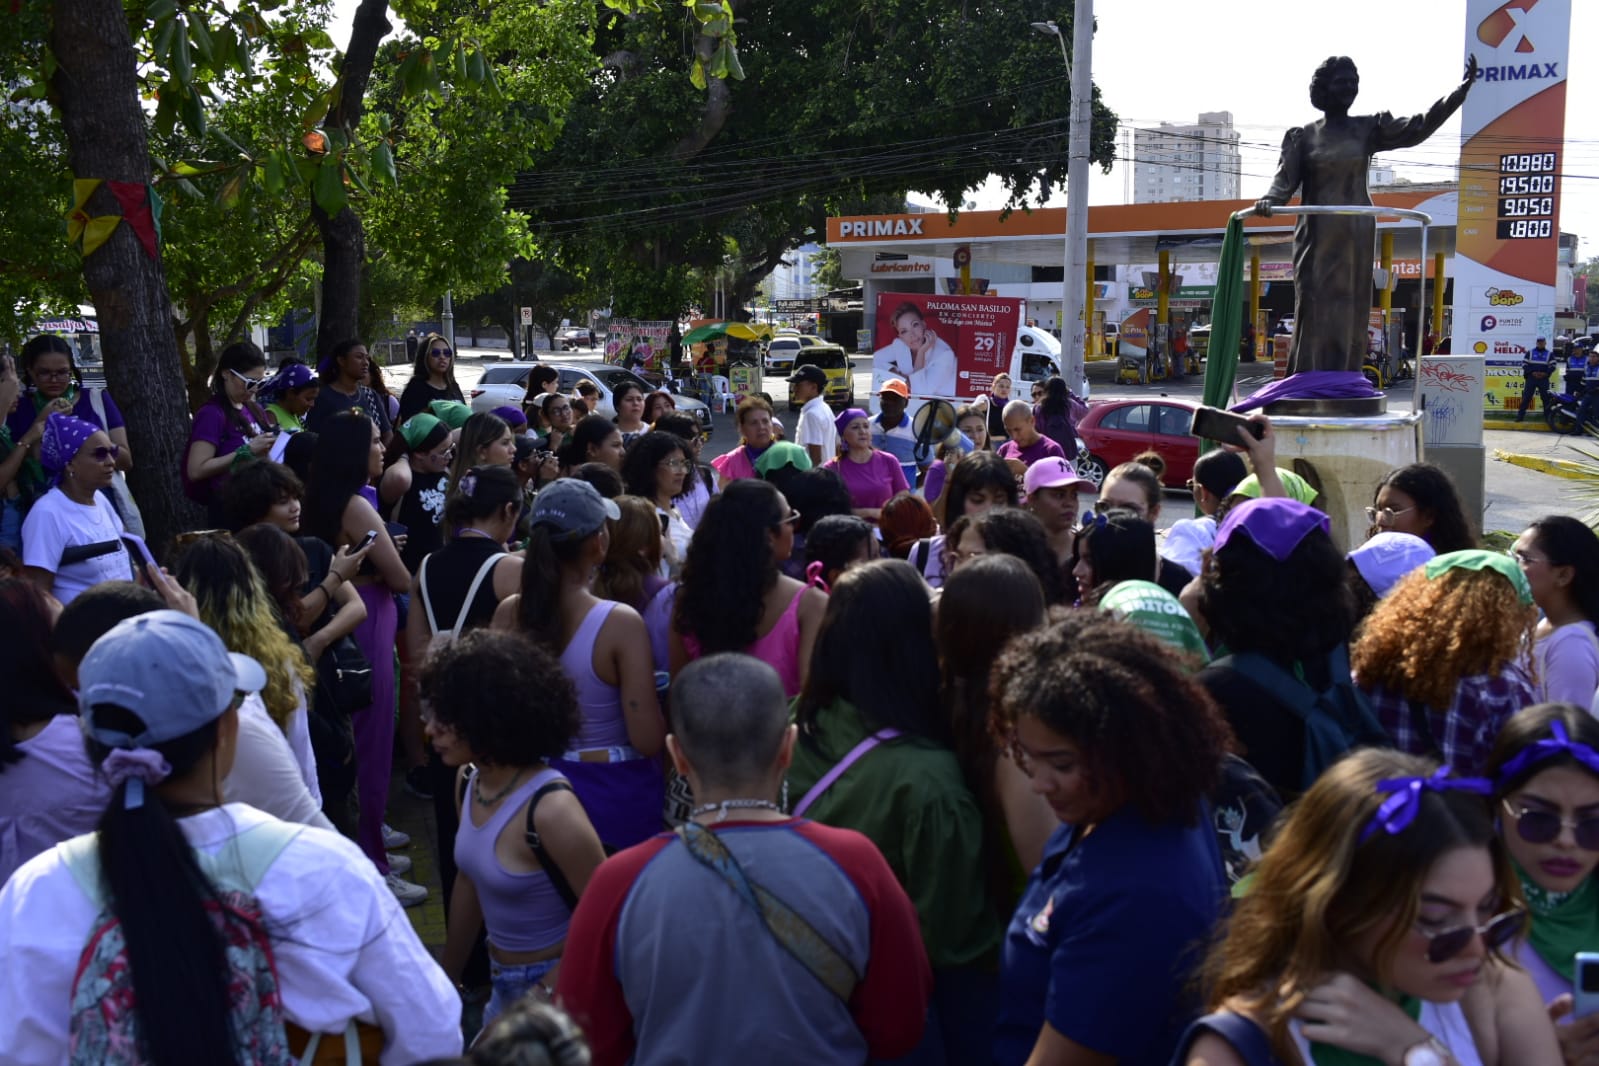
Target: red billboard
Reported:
point(944, 346)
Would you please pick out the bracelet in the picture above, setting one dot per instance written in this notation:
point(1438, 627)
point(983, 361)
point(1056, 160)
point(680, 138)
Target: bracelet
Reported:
point(241, 455)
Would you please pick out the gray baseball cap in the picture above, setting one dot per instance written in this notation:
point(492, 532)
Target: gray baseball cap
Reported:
point(572, 508)
point(171, 670)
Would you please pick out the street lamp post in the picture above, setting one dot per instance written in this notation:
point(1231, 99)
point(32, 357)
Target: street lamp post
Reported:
point(1079, 68)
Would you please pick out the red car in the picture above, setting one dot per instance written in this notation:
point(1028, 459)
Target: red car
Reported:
point(1112, 433)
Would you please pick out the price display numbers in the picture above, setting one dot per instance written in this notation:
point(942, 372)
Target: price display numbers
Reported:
point(1526, 195)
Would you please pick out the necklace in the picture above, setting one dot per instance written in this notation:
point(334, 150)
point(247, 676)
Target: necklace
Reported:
point(463, 530)
point(489, 801)
point(732, 805)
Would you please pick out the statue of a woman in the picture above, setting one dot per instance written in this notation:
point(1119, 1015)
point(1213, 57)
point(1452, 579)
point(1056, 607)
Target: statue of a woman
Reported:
point(1326, 161)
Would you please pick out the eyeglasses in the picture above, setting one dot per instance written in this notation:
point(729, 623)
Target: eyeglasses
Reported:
point(1104, 507)
point(1445, 944)
point(1383, 516)
point(202, 534)
point(1541, 827)
point(51, 375)
point(556, 409)
point(793, 516)
point(109, 453)
point(1523, 559)
point(250, 383)
point(674, 464)
point(955, 557)
point(440, 353)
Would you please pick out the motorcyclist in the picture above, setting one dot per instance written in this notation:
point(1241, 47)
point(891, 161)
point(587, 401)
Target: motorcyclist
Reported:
point(1536, 368)
point(1588, 397)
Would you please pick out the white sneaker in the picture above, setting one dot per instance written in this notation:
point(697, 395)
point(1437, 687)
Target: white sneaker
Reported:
point(399, 864)
point(407, 893)
point(393, 839)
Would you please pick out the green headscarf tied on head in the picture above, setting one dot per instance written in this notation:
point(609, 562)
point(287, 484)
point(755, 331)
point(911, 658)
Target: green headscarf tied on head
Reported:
point(1481, 559)
point(418, 428)
point(1297, 487)
point(452, 413)
point(782, 453)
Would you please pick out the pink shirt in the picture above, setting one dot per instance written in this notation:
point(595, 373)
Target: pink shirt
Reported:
point(872, 483)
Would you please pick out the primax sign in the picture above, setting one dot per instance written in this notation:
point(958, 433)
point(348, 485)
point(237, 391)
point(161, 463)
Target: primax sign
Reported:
point(881, 227)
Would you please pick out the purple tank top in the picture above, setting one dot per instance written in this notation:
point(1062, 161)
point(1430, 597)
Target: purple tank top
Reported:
point(604, 725)
point(522, 911)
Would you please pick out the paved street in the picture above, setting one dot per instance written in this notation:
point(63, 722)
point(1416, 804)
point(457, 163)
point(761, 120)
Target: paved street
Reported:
point(1514, 495)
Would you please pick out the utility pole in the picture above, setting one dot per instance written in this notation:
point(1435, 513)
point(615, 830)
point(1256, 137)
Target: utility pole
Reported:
point(1081, 133)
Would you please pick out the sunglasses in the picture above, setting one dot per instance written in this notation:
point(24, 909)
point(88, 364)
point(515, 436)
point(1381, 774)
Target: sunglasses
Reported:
point(101, 455)
point(1542, 827)
point(202, 534)
point(440, 353)
point(250, 383)
point(1386, 515)
point(1447, 943)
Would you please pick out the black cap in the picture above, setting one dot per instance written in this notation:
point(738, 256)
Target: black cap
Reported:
point(813, 374)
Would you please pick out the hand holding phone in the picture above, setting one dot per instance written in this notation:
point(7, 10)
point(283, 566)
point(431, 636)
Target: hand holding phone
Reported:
point(1585, 984)
point(365, 542)
point(1212, 423)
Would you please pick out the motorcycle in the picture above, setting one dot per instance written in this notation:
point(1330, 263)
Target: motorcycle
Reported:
point(1563, 413)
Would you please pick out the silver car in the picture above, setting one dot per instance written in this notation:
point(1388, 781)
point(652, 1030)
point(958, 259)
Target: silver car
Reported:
point(505, 384)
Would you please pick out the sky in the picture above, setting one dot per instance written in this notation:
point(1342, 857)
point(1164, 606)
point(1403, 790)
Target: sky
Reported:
point(1167, 60)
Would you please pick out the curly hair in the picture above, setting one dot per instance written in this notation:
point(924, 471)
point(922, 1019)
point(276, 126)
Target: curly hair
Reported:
point(730, 568)
point(634, 554)
point(233, 600)
point(1429, 634)
point(1434, 493)
point(506, 696)
point(1321, 79)
point(1252, 602)
point(1320, 888)
point(257, 488)
point(1149, 734)
point(1013, 531)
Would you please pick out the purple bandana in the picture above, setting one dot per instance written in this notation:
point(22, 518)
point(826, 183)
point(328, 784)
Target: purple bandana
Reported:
point(511, 416)
point(63, 437)
point(847, 416)
point(294, 376)
point(1404, 801)
point(1548, 748)
point(1275, 523)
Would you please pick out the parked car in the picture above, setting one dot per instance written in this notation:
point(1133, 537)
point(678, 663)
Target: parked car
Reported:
point(573, 338)
point(506, 383)
point(834, 361)
point(1113, 432)
point(781, 351)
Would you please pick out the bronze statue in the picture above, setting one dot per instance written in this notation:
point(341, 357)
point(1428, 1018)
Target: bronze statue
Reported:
point(1327, 161)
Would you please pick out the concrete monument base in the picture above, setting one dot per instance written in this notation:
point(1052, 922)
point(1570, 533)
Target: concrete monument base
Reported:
point(1345, 457)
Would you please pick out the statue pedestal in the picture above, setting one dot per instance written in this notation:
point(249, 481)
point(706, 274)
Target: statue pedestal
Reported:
point(1344, 456)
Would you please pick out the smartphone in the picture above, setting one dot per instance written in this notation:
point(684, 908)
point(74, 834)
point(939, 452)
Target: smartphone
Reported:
point(140, 548)
point(1585, 987)
point(371, 535)
point(1213, 423)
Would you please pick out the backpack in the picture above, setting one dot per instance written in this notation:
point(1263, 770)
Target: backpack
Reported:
point(439, 639)
point(1337, 718)
point(104, 1017)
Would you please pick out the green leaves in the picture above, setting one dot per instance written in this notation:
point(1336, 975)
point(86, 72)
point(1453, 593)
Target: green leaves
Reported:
point(331, 196)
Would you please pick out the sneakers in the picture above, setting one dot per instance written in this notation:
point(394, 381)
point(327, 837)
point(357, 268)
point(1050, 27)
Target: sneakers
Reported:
point(393, 839)
point(399, 864)
point(417, 784)
point(407, 893)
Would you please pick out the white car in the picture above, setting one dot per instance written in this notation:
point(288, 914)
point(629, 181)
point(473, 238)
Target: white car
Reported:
point(505, 384)
point(781, 351)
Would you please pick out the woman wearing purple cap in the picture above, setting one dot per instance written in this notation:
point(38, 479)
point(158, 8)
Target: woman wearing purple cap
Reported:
point(872, 476)
point(72, 537)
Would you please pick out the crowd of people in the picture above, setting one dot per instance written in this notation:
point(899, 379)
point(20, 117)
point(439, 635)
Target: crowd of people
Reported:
point(834, 749)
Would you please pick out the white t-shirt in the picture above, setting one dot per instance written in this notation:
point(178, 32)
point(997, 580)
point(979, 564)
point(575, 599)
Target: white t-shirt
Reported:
point(678, 533)
point(343, 948)
point(1186, 540)
point(266, 774)
point(816, 427)
point(55, 523)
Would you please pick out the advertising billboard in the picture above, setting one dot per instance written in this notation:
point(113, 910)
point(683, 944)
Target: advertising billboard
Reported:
point(946, 347)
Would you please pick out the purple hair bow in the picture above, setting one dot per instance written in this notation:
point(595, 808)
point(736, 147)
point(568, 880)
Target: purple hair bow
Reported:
point(1404, 801)
point(1548, 748)
point(138, 767)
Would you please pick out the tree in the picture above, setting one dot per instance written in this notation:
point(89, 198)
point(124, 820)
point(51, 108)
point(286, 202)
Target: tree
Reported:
point(841, 107)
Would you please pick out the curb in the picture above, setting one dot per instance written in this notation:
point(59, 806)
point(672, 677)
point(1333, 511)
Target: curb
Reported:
point(1555, 467)
point(1512, 426)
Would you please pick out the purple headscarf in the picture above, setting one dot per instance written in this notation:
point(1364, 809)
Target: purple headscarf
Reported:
point(63, 438)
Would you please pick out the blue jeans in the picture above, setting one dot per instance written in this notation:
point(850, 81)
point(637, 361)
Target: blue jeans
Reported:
point(11, 524)
point(511, 983)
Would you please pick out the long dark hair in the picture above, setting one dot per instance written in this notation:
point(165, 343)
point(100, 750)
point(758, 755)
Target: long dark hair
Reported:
point(983, 469)
point(1056, 400)
point(1122, 547)
point(164, 904)
point(282, 565)
point(34, 693)
point(421, 368)
point(333, 371)
point(875, 650)
point(48, 342)
point(1433, 491)
point(548, 554)
point(590, 430)
point(638, 465)
point(492, 488)
point(1012, 531)
point(730, 567)
point(236, 358)
point(338, 472)
point(1568, 542)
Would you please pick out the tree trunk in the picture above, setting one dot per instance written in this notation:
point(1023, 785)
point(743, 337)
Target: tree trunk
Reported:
point(343, 240)
point(97, 94)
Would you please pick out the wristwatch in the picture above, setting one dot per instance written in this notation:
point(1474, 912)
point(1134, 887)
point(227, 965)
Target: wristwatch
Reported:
point(1428, 1053)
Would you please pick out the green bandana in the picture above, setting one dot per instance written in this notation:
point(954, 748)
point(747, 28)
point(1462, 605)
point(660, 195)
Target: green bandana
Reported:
point(1296, 487)
point(1479, 559)
point(1327, 1055)
point(451, 412)
point(1563, 923)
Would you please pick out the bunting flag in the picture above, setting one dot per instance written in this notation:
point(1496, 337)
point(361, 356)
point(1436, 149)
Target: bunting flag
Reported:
point(140, 210)
point(93, 231)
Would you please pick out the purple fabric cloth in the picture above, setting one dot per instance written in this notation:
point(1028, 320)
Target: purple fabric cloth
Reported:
point(1275, 523)
point(374, 724)
point(1312, 385)
point(871, 484)
point(53, 794)
point(1042, 448)
point(63, 437)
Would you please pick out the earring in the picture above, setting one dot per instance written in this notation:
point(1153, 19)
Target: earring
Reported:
point(785, 795)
